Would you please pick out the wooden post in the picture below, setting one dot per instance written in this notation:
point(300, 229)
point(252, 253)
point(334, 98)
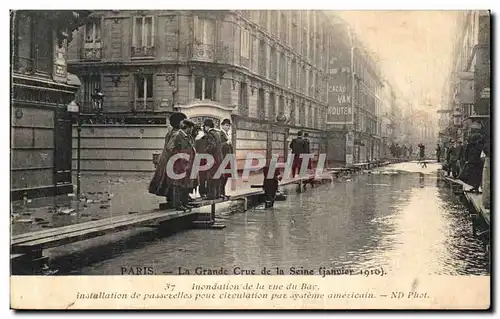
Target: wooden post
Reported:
point(212, 210)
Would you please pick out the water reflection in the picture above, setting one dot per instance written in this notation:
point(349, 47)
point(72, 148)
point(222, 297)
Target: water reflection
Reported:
point(402, 220)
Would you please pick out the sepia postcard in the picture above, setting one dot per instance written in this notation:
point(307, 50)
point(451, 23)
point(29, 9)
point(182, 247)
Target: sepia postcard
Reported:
point(250, 159)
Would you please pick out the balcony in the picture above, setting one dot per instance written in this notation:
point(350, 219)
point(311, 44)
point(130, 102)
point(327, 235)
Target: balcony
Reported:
point(203, 52)
point(143, 52)
point(92, 52)
point(149, 105)
point(210, 53)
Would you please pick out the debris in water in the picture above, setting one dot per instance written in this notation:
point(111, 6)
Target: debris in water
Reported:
point(39, 219)
point(26, 213)
point(89, 201)
point(378, 184)
point(104, 206)
point(91, 193)
point(24, 221)
point(85, 214)
point(66, 211)
point(44, 222)
point(47, 226)
point(132, 212)
point(95, 218)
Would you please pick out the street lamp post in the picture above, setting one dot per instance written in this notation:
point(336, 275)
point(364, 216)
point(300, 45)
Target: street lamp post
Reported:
point(73, 107)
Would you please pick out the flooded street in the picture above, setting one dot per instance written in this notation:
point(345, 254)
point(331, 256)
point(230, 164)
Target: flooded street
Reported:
point(401, 218)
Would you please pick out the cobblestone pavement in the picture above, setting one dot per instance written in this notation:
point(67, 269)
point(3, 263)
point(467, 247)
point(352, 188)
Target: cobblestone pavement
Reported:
point(103, 196)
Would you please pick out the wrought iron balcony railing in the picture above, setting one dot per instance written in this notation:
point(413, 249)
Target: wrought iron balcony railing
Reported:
point(92, 53)
point(143, 52)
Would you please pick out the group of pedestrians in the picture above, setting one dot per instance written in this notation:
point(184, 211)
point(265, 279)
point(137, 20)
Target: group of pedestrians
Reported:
point(401, 151)
point(183, 139)
point(465, 161)
point(299, 147)
point(470, 163)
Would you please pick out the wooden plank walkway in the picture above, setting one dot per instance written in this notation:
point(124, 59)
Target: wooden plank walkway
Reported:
point(477, 201)
point(35, 242)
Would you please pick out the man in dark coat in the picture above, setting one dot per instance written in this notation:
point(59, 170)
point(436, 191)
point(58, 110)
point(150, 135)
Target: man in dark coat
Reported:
point(438, 153)
point(182, 142)
point(308, 148)
point(452, 159)
point(298, 146)
point(201, 145)
point(227, 148)
point(160, 185)
point(214, 148)
point(472, 169)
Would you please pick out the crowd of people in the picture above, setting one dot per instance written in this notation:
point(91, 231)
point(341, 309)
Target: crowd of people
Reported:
point(469, 161)
point(182, 139)
point(464, 161)
point(401, 151)
point(216, 144)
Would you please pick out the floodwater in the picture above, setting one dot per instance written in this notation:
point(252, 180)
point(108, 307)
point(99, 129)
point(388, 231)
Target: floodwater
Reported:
point(400, 218)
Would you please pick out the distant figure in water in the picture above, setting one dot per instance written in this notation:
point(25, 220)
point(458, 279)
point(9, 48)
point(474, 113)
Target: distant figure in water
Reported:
point(270, 186)
point(422, 155)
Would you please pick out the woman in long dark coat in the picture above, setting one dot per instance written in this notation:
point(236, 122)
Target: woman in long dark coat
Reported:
point(160, 185)
point(473, 167)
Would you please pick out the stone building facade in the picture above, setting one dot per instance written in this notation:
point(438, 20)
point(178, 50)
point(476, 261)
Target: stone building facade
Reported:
point(41, 90)
point(264, 69)
point(468, 99)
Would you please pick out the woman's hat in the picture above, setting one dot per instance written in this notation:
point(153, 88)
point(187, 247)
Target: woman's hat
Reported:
point(226, 121)
point(187, 123)
point(176, 119)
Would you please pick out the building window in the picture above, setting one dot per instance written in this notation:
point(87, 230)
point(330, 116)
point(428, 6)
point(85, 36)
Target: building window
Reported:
point(310, 116)
point(272, 106)
point(205, 87)
point(243, 99)
point(295, 31)
point(305, 42)
point(143, 37)
point(302, 114)
point(90, 84)
point(144, 86)
point(283, 27)
point(292, 112)
point(33, 46)
point(263, 18)
point(283, 70)
point(274, 22)
point(303, 80)
point(93, 31)
point(261, 104)
point(316, 118)
point(262, 58)
point(274, 64)
point(293, 82)
point(281, 105)
point(311, 85)
point(204, 31)
point(245, 43)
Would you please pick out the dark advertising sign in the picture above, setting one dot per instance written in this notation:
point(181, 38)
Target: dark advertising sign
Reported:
point(339, 85)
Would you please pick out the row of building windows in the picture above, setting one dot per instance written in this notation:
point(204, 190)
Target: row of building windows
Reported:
point(205, 88)
point(33, 44)
point(277, 67)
